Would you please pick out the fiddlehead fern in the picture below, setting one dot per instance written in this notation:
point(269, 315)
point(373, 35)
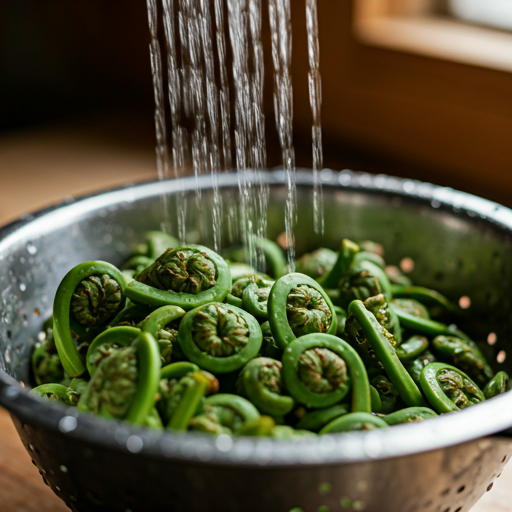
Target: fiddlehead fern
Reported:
point(88, 297)
point(298, 305)
point(449, 389)
point(219, 337)
point(319, 369)
point(260, 381)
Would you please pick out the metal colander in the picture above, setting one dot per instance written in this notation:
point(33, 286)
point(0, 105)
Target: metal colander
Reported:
point(459, 244)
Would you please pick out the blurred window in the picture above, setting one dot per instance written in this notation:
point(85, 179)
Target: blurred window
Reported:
point(463, 31)
point(493, 13)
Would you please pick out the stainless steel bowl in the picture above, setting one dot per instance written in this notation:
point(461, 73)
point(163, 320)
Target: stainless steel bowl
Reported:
point(461, 245)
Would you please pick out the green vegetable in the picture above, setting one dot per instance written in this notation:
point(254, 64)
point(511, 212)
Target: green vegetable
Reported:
point(409, 415)
point(388, 394)
point(219, 337)
point(499, 384)
point(260, 381)
point(449, 389)
point(125, 383)
point(187, 277)
point(412, 348)
point(298, 305)
point(319, 369)
point(354, 421)
point(386, 353)
point(161, 325)
point(465, 355)
point(318, 418)
point(88, 297)
point(317, 263)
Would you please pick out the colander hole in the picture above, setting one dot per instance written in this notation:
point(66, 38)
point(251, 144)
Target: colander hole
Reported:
point(461, 489)
point(325, 488)
point(445, 492)
point(345, 502)
point(492, 338)
point(464, 302)
point(407, 265)
point(504, 459)
point(447, 509)
point(490, 486)
point(498, 475)
point(9, 334)
point(34, 462)
point(459, 509)
point(502, 355)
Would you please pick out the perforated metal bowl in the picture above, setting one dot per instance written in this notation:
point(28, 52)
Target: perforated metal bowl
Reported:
point(461, 245)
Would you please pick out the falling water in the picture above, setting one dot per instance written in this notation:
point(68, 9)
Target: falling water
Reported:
point(281, 34)
point(315, 99)
point(162, 152)
point(250, 148)
point(199, 97)
point(179, 134)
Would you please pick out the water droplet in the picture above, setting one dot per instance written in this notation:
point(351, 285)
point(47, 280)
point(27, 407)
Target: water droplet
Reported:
point(67, 424)
point(224, 443)
point(134, 444)
point(11, 392)
point(32, 249)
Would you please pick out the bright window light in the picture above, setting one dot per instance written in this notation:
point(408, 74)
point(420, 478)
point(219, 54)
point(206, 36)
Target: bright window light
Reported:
point(495, 13)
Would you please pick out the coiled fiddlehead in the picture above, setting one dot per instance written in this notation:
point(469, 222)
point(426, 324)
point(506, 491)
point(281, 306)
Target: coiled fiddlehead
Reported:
point(56, 393)
point(465, 355)
point(307, 311)
point(317, 263)
point(163, 324)
point(87, 298)
point(46, 364)
point(107, 343)
point(219, 337)
point(224, 414)
point(125, 383)
point(315, 372)
point(449, 389)
point(187, 277)
point(298, 305)
point(389, 395)
point(410, 415)
point(499, 384)
point(354, 421)
point(260, 381)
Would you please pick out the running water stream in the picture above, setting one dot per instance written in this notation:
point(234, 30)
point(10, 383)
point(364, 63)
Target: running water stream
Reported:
point(200, 112)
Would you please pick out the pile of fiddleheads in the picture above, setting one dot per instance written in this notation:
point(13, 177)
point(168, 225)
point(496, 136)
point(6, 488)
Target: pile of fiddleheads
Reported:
point(184, 339)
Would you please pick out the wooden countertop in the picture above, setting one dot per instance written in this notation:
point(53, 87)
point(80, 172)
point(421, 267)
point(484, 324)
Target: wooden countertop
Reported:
point(38, 168)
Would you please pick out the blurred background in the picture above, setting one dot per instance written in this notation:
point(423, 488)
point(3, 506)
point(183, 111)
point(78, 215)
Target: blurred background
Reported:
point(417, 88)
point(414, 88)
